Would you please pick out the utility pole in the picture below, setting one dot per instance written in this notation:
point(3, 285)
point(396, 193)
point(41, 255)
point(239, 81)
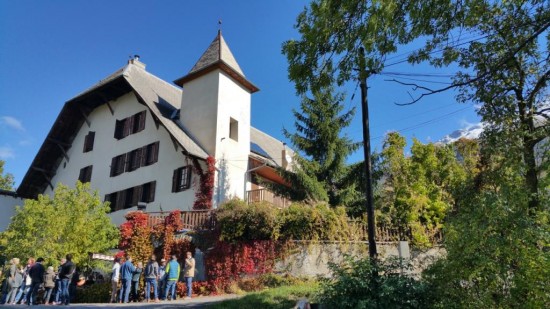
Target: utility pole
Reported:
point(363, 75)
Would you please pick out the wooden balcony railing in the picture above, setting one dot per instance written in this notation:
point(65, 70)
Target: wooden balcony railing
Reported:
point(192, 219)
point(260, 195)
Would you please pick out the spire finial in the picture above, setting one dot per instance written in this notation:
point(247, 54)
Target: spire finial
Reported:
point(219, 26)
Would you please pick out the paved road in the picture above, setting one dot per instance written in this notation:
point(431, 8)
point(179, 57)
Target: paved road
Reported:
point(195, 303)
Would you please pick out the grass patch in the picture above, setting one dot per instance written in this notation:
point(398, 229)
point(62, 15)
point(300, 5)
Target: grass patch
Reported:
point(275, 298)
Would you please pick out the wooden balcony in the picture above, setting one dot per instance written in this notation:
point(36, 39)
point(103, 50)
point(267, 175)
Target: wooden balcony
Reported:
point(260, 195)
point(191, 219)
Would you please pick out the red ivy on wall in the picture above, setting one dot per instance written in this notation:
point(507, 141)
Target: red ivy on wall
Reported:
point(203, 194)
point(228, 262)
point(135, 236)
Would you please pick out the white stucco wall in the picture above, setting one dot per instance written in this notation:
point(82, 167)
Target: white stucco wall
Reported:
point(106, 147)
point(199, 107)
point(7, 209)
point(232, 156)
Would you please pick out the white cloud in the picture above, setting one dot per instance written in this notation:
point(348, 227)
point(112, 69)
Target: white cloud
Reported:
point(6, 153)
point(12, 122)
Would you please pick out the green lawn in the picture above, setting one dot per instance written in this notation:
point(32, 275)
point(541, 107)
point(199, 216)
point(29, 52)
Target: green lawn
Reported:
point(273, 298)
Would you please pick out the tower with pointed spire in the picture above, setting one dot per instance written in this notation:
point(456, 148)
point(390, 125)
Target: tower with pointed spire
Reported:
point(215, 111)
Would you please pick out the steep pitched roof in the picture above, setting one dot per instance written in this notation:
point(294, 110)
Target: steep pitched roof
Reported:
point(217, 51)
point(218, 56)
point(158, 95)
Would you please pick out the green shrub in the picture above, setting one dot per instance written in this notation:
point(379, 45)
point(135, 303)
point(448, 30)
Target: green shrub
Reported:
point(94, 293)
point(361, 283)
point(241, 221)
point(319, 222)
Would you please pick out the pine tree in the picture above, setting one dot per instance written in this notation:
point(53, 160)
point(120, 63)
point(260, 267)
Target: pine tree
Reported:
point(319, 164)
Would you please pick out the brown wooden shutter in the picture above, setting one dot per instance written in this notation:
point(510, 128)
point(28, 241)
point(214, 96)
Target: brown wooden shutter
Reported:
point(155, 152)
point(119, 129)
point(142, 117)
point(143, 156)
point(127, 161)
point(137, 195)
point(120, 199)
point(89, 174)
point(175, 180)
point(128, 125)
point(152, 188)
point(113, 166)
point(82, 174)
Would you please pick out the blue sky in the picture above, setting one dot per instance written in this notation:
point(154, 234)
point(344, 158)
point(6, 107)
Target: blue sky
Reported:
point(52, 50)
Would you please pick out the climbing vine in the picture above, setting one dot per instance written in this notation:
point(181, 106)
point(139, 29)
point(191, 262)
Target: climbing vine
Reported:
point(203, 194)
point(135, 236)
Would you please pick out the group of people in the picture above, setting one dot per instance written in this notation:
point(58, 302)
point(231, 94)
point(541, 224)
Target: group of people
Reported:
point(22, 283)
point(161, 279)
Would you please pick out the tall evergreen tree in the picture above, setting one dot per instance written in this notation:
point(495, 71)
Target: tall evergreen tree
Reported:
point(319, 164)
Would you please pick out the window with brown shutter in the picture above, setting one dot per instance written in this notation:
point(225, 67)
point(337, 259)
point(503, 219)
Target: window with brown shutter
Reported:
point(111, 198)
point(120, 200)
point(85, 174)
point(89, 141)
point(130, 125)
point(181, 179)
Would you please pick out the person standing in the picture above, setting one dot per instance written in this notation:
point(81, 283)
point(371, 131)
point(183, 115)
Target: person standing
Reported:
point(151, 276)
point(37, 278)
point(135, 282)
point(49, 284)
point(66, 274)
point(172, 276)
point(26, 284)
point(162, 279)
point(126, 271)
point(189, 273)
point(115, 276)
point(57, 289)
point(16, 282)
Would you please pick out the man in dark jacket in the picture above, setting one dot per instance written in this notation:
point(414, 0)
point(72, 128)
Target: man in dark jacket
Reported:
point(37, 278)
point(65, 275)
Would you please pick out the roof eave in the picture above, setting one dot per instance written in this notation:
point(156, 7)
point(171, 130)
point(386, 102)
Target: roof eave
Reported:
point(222, 65)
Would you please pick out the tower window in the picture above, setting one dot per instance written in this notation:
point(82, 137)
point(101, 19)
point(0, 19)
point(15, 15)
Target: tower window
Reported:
point(233, 129)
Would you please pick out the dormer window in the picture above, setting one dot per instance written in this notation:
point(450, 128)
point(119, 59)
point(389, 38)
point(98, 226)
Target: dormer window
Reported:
point(234, 129)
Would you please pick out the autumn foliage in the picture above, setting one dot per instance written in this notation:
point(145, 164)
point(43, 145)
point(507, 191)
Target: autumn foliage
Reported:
point(203, 194)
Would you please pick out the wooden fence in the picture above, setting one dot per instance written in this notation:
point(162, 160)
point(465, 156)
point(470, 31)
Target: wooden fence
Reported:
point(205, 219)
point(191, 219)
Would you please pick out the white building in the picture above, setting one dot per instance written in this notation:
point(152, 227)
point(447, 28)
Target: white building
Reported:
point(135, 138)
point(8, 202)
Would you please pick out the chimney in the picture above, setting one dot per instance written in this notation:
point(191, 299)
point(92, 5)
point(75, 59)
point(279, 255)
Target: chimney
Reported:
point(135, 61)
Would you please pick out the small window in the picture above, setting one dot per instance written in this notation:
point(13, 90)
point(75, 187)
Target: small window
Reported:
point(181, 179)
point(89, 141)
point(118, 164)
point(85, 174)
point(111, 198)
point(119, 129)
point(233, 129)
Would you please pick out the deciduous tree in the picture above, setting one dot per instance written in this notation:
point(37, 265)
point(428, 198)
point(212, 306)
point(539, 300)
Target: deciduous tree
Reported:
point(6, 180)
point(72, 221)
